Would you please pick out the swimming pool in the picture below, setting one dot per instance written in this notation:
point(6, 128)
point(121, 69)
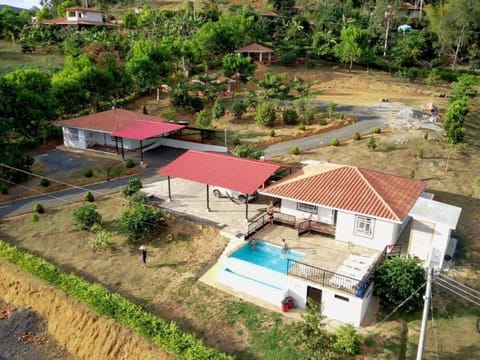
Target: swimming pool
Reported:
point(267, 255)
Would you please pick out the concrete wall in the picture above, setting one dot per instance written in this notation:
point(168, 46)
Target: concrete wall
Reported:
point(179, 144)
point(336, 304)
point(78, 144)
point(384, 232)
point(84, 15)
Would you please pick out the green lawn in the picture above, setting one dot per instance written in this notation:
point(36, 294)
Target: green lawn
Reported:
point(12, 58)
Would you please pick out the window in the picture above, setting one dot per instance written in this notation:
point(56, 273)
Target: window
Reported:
point(340, 297)
point(73, 134)
point(307, 208)
point(364, 226)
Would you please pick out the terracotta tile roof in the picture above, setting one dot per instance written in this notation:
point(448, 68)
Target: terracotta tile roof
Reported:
point(107, 121)
point(353, 189)
point(254, 48)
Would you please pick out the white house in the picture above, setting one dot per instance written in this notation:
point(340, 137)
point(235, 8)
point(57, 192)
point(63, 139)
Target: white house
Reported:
point(368, 209)
point(79, 16)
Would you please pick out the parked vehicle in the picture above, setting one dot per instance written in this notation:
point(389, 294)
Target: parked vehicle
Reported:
point(234, 195)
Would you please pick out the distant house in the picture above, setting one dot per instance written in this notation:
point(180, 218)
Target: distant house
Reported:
point(80, 17)
point(409, 10)
point(254, 49)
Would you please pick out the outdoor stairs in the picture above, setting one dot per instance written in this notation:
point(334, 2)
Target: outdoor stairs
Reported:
point(457, 288)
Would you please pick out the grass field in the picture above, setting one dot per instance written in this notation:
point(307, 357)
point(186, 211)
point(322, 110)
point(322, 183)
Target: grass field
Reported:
point(12, 58)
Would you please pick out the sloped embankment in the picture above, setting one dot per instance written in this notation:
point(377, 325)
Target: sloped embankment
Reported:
point(73, 325)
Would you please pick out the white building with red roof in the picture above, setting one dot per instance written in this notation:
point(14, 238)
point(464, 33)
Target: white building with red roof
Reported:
point(79, 16)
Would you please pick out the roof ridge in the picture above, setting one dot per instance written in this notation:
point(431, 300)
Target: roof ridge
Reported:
point(360, 173)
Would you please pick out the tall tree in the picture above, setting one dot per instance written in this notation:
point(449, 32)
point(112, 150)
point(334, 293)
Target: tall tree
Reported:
point(457, 25)
point(351, 45)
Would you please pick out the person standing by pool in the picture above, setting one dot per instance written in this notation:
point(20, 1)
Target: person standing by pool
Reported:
point(284, 246)
point(143, 257)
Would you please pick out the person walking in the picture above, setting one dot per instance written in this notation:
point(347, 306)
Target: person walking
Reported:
point(143, 257)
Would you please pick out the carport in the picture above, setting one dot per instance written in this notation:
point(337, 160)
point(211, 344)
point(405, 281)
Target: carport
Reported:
point(230, 172)
point(142, 130)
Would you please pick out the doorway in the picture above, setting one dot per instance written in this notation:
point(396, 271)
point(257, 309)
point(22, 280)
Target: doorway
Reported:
point(314, 294)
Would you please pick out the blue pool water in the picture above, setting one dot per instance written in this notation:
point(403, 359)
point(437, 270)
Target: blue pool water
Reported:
point(267, 255)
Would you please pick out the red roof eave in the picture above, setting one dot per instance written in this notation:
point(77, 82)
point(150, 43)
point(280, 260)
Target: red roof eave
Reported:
point(143, 129)
point(230, 172)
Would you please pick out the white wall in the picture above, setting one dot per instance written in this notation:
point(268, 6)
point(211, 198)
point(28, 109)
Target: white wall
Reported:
point(78, 144)
point(85, 15)
point(324, 215)
point(179, 144)
point(384, 232)
point(350, 312)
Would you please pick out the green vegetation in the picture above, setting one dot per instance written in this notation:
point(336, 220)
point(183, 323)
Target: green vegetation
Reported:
point(247, 151)
point(356, 136)
point(100, 240)
point(139, 221)
point(420, 153)
point(129, 163)
point(290, 117)
point(295, 150)
point(335, 142)
point(35, 217)
point(38, 208)
point(372, 143)
point(265, 114)
point(88, 173)
point(44, 182)
point(134, 185)
point(88, 197)
point(398, 279)
point(86, 216)
point(105, 302)
point(377, 130)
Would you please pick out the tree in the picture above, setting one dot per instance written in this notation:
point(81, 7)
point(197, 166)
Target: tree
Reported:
point(147, 63)
point(275, 86)
point(204, 119)
point(464, 88)
point(28, 102)
point(239, 108)
point(398, 278)
point(133, 186)
point(290, 117)
point(139, 221)
point(129, 19)
point(455, 22)
point(265, 114)
point(454, 119)
point(238, 66)
point(11, 23)
point(218, 109)
point(86, 216)
point(331, 107)
point(351, 45)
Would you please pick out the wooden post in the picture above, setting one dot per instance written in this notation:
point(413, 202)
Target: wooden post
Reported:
point(208, 199)
point(169, 190)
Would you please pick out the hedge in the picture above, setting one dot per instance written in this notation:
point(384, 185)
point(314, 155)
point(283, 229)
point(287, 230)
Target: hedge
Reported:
point(165, 334)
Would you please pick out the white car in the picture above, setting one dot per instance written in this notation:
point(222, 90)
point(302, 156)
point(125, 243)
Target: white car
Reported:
point(233, 195)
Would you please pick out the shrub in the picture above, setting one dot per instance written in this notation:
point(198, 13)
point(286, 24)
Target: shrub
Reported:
point(239, 108)
point(301, 126)
point(139, 221)
point(295, 150)
point(247, 151)
point(290, 117)
point(412, 174)
point(138, 197)
point(204, 119)
point(323, 122)
point(100, 240)
point(271, 133)
point(356, 136)
point(236, 141)
point(398, 278)
point(145, 110)
point(289, 58)
point(372, 144)
point(335, 142)
point(265, 114)
point(477, 181)
point(44, 182)
point(311, 64)
point(88, 173)
point(86, 216)
point(377, 130)
point(425, 135)
point(38, 208)
point(218, 109)
point(420, 153)
point(3, 189)
point(132, 187)
point(347, 340)
point(129, 163)
point(309, 117)
point(164, 334)
point(169, 114)
point(35, 217)
point(88, 197)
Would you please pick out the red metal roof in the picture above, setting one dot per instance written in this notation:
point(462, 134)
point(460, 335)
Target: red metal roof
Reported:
point(107, 121)
point(352, 189)
point(143, 129)
point(230, 172)
point(254, 48)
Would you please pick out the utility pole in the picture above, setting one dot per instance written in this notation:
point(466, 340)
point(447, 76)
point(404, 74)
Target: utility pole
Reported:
point(388, 16)
point(421, 10)
point(426, 306)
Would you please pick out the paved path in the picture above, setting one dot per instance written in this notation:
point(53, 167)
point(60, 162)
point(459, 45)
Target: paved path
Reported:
point(367, 120)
